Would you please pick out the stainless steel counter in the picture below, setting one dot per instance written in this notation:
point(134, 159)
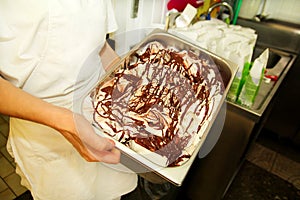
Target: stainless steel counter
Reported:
point(284, 118)
point(280, 64)
point(276, 34)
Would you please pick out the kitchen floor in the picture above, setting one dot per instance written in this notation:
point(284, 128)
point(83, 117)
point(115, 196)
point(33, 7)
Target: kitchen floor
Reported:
point(10, 186)
point(271, 171)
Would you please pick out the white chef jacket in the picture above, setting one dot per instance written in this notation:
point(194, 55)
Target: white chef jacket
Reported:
point(49, 48)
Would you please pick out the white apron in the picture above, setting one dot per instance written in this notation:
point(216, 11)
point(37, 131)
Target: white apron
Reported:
point(50, 49)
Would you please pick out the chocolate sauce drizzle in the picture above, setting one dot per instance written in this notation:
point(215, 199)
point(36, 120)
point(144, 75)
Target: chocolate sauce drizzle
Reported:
point(159, 88)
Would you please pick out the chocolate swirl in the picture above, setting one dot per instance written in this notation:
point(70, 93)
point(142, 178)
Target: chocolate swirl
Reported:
point(159, 99)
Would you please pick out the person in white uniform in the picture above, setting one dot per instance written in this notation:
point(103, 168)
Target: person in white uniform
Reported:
point(48, 62)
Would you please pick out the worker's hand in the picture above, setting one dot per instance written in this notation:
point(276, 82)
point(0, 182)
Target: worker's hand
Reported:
point(91, 146)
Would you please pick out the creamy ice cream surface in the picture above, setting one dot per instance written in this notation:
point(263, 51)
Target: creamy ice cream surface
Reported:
point(159, 102)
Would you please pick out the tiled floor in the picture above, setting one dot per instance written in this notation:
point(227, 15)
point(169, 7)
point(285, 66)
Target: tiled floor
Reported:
point(10, 186)
point(271, 171)
point(255, 183)
point(272, 160)
point(276, 164)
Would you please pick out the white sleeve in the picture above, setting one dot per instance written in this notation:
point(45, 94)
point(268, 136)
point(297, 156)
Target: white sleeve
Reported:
point(112, 24)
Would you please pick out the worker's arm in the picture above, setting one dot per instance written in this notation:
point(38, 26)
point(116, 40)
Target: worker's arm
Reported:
point(74, 127)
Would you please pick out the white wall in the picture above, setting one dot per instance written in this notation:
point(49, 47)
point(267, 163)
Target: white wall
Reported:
point(287, 10)
point(151, 13)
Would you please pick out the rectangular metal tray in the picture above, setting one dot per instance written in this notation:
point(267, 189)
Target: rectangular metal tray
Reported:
point(139, 163)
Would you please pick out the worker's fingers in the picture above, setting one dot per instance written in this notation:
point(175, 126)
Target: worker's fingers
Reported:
point(94, 147)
